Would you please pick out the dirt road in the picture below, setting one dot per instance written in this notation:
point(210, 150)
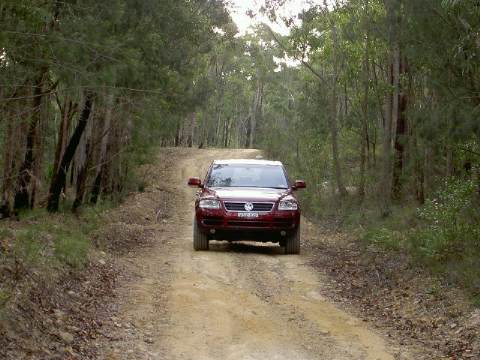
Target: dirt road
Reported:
point(241, 301)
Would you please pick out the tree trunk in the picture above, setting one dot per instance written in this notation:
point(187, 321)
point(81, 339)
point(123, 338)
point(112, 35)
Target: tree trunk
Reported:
point(391, 111)
point(99, 171)
point(176, 141)
point(247, 132)
point(361, 184)
point(67, 112)
point(253, 115)
point(22, 195)
point(419, 171)
point(192, 129)
point(58, 179)
point(38, 158)
point(8, 165)
point(80, 188)
point(226, 139)
point(342, 191)
point(364, 152)
point(83, 155)
point(400, 135)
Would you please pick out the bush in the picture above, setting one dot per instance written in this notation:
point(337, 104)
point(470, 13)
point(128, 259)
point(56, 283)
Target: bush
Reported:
point(451, 223)
point(443, 234)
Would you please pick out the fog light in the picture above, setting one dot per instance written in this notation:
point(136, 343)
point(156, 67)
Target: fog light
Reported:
point(212, 231)
point(283, 233)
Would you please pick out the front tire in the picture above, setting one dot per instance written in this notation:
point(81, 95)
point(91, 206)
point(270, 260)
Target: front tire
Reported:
point(200, 240)
point(292, 243)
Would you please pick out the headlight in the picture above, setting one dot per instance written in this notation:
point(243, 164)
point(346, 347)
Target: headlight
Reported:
point(209, 204)
point(288, 205)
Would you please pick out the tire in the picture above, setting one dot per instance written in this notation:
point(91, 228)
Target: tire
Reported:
point(292, 244)
point(200, 240)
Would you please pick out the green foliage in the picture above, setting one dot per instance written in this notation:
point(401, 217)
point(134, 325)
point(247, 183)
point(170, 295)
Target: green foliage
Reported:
point(71, 248)
point(28, 247)
point(452, 223)
point(383, 237)
point(62, 239)
point(443, 234)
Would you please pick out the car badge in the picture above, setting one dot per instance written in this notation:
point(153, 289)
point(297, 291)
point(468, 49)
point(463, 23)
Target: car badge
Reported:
point(248, 206)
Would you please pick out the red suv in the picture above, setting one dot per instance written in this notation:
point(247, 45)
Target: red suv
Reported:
point(247, 200)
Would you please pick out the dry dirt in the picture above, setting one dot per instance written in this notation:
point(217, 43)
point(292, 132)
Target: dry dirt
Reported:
point(240, 301)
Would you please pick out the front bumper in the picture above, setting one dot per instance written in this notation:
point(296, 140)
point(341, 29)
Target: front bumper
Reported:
point(227, 225)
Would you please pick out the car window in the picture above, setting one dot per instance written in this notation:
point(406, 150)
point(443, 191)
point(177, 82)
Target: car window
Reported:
point(238, 175)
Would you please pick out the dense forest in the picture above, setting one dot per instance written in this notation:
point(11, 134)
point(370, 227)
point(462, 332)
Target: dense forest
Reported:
point(375, 103)
point(88, 87)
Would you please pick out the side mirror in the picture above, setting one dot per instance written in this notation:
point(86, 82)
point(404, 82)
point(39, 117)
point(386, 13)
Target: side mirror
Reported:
point(299, 184)
point(195, 182)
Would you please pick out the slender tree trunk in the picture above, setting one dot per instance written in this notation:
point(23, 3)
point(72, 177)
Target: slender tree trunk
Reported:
point(177, 140)
point(253, 115)
point(392, 105)
point(67, 112)
point(58, 179)
point(419, 170)
point(80, 187)
point(38, 158)
point(8, 167)
point(193, 116)
point(361, 184)
point(400, 135)
point(22, 195)
point(333, 119)
point(99, 171)
point(247, 132)
point(364, 153)
point(83, 157)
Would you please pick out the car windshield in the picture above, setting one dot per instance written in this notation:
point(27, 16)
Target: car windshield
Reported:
point(247, 175)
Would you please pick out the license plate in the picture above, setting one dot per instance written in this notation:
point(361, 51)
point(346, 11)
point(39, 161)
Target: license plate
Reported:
point(248, 215)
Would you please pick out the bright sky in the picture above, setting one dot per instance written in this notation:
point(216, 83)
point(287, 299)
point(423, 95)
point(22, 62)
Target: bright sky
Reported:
point(239, 8)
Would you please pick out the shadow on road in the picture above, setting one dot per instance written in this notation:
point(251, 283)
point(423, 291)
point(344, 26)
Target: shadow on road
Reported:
point(247, 247)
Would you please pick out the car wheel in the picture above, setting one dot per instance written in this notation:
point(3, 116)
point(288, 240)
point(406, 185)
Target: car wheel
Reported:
point(292, 244)
point(200, 240)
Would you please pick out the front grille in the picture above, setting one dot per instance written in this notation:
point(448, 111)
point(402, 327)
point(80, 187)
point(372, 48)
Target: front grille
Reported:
point(257, 206)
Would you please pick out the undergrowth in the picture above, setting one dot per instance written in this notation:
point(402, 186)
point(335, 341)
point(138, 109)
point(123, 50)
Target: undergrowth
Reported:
point(43, 244)
point(443, 235)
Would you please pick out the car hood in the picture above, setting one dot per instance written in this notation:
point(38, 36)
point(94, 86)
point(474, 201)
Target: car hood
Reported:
point(247, 194)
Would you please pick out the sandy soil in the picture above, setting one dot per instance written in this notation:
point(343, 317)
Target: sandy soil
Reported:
point(241, 301)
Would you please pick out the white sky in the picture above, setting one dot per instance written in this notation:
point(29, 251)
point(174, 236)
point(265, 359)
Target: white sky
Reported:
point(239, 8)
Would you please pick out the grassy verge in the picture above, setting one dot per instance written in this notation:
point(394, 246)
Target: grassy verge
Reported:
point(44, 246)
